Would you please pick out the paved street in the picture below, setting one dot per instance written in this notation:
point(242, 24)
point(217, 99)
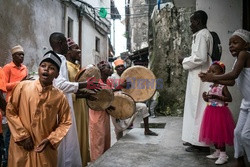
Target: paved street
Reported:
point(166, 150)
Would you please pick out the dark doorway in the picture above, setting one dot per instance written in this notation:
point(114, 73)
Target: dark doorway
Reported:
point(246, 15)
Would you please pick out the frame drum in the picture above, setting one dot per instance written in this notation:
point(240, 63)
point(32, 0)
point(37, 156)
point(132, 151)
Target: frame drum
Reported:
point(143, 83)
point(104, 99)
point(88, 72)
point(124, 106)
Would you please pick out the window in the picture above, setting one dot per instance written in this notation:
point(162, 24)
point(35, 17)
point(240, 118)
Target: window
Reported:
point(97, 44)
point(70, 27)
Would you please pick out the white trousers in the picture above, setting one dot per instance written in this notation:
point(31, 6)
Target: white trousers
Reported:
point(242, 135)
point(121, 125)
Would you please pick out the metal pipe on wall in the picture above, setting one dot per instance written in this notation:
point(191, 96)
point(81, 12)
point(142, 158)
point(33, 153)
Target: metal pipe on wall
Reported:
point(65, 19)
point(80, 34)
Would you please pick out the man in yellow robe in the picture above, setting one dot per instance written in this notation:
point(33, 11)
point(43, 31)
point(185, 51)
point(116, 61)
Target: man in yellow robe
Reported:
point(39, 117)
point(80, 106)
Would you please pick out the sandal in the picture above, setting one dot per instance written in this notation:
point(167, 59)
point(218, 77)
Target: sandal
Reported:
point(192, 149)
point(187, 144)
point(150, 133)
point(197, 149)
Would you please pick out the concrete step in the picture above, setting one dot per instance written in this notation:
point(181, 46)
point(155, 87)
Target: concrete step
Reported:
point(166, 150)
point(157, 122)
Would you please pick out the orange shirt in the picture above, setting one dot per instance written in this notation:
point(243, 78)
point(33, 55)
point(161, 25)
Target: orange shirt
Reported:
point(2, 88)
point(13, 76)
point(2, 80)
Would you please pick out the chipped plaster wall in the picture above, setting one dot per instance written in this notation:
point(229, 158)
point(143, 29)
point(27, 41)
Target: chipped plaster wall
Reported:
point(139, 24)
point(170, 36)
point(28, 23)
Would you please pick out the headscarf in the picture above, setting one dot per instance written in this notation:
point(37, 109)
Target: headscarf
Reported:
point(244, 34)
point(222, 65)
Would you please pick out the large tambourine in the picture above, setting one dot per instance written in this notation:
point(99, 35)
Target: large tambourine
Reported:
point(143, 83)
point(91, 71)
point(124, 106)
point(104, 98)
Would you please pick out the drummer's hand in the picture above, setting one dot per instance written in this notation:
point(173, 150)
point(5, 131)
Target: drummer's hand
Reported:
point(127, 84)
point(92, 84)
point(85, 93)
point(83, 85)
point(91, 98)
point(110, 108)
point(89, 85)
point(124, 85)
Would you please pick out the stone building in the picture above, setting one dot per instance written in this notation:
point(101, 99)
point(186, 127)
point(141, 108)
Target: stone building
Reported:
point(169, 35)
point(139, 24)
point(30, 23)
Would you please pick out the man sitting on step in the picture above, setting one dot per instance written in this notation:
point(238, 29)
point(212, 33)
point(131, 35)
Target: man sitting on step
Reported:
point(121, 125)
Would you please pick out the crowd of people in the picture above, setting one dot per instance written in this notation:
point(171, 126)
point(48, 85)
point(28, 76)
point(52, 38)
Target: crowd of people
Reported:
point(49, 122)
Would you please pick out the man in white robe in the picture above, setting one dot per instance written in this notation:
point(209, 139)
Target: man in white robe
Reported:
point(69, 150)
point(199, 61)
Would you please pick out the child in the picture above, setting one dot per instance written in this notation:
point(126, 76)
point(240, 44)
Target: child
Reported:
point(217, 126)
point(238, 46)
point(38, 116)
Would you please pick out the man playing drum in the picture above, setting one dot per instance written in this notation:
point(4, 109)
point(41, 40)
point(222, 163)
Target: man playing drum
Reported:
point(121, 125)
point(99, 121)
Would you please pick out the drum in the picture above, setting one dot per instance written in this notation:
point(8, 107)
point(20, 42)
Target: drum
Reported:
point(104, 99)
point(143, 83)
point(124, 106)
point(88, 72)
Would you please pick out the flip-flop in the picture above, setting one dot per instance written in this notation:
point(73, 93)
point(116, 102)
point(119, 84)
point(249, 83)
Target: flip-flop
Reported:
point(150, 133)
point(197, 149)
point(192, 149)
point(187, 144)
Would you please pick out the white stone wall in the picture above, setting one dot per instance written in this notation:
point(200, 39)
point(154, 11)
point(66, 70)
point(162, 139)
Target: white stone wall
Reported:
point(29, 23)
point(139, 24)
point(89, 34)
point(72, 14)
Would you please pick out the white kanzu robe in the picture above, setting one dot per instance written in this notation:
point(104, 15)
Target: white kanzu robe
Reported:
point(68, 151)
point(199, 61)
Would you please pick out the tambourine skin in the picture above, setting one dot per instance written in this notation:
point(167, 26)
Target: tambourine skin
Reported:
point(124, 106)
point(104, 99)
point(143, 83)
point(91, 71)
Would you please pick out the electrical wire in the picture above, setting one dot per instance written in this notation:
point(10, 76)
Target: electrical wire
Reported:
point(130, 6)
point(115, 14)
